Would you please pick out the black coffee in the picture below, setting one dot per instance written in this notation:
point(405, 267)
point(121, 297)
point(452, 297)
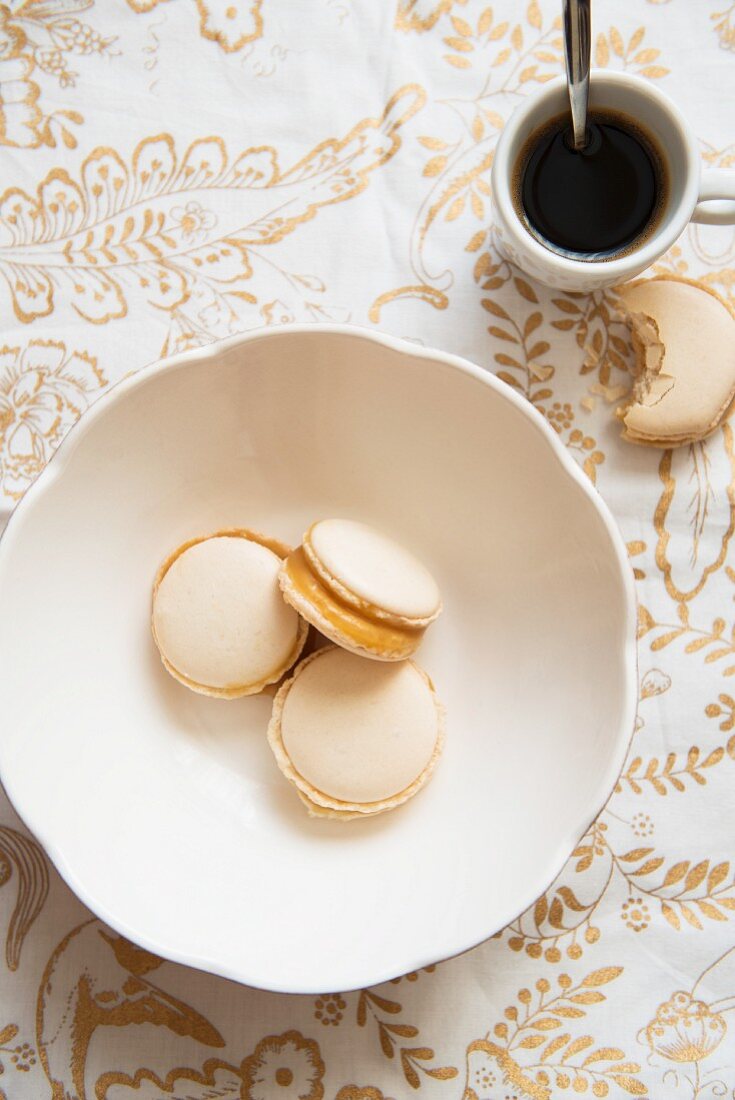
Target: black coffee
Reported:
point(599, 202)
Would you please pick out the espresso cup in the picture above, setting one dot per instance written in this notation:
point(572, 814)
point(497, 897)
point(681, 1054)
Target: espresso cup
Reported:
point(689, 190)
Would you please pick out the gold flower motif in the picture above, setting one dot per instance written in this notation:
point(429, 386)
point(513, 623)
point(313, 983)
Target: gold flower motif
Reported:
point(560, 416)
point(43, 390)
point(287, 1066)
point(329, 1009)
point(636, 914)
point(489, 1065)
point(23, 1057)
point(684, 1030)
point(642, 824)
point(229, 23)
point(193, 220)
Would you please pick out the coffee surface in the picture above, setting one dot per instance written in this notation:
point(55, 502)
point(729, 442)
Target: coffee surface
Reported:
point(598, 202)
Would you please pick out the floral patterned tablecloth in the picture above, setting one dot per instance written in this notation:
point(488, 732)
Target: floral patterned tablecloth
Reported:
point(172, 171)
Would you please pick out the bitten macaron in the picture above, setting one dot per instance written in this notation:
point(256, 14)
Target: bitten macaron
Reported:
point(219, 621)
point(356, 737)
point(362, 590)
point(683, 336)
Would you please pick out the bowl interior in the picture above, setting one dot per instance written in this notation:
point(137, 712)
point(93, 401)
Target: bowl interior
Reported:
point(172, 820)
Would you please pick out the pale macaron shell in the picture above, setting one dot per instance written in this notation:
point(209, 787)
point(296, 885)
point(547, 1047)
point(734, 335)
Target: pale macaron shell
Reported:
point(684, 334)
point(311, 614)
point(219, 621)
point(356, 737)
point(368, 569)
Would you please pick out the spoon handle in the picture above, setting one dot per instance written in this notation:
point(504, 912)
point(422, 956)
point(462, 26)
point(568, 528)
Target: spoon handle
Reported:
point(577, 56)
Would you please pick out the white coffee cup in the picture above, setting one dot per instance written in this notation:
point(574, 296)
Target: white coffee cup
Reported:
point(689, 187)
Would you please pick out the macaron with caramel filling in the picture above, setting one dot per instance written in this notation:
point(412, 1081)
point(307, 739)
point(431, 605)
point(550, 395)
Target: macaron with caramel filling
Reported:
point(362, 590)
point(355, 737)
point(219, 620)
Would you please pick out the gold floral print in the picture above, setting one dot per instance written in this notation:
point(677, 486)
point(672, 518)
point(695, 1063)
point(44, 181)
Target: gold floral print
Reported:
point(685, 893)
point(724, 709)
point(691, 509)
point(642, 824)
point(723, 23)
point(329, 1009)
point(281, 1067)
point(95, 980)
point(611, 49)
point(149, 225)
point(685, 1030)
point(22, 865)
point(391, 1033)
point(44, 388)
point(504, 58)
point(216, 1080)
point(38, 38)
point(531, 1051)
point(21, 1057)
point(636, 914)
point(229, 23)
point(287, 1064)
point(602, 336)
point(714, 642)
point(422, 15)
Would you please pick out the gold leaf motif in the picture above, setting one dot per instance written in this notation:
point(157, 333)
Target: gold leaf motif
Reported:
point(411, 1058)
point(460, 44)
point(654, 72)
point(532, 1041)
point(461, 26)
point(485, 21)
point(602, 976)
point(557, 1043)
point(533, 15)
point(616, 41)
point(435, 166)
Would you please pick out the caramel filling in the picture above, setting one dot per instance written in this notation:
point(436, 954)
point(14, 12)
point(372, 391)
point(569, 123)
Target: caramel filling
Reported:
point(368, 633)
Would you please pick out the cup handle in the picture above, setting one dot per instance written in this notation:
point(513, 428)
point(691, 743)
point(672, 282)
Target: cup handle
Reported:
point(716, 184)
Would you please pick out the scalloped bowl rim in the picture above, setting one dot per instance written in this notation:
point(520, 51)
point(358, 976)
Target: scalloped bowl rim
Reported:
point(624, 732)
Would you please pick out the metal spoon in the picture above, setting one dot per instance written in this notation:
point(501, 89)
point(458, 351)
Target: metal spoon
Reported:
point(577, 56)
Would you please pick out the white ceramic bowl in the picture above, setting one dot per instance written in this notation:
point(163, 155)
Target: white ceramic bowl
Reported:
point(164, 810)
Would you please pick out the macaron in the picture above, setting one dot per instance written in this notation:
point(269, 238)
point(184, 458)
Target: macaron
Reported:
point(361, 589)
point(683, 336)
point(219, 621)
point(356, 737)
